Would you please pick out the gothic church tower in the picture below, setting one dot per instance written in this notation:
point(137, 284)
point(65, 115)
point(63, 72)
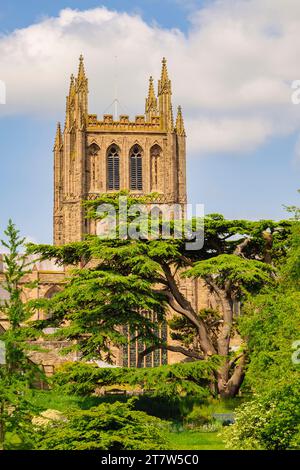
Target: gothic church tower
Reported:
point(94, 156)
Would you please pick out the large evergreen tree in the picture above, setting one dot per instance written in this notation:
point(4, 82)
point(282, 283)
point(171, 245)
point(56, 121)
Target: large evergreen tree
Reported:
point(130, 276)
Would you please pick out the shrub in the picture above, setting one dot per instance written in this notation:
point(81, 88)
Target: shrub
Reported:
point(269, 422)
point(200, 416)
point(113, 426)
point(203, 414)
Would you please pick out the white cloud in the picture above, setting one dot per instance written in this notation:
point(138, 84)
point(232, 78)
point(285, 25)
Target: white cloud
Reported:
point(232, 72)
point(227, 135)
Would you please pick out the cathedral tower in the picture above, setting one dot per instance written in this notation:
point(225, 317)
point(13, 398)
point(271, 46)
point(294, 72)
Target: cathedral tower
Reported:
point(94, 156)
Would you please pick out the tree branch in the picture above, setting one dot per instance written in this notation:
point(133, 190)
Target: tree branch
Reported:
point(180, 349)
point(241, 246)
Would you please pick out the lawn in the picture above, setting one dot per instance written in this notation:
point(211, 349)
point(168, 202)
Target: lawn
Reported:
point(44, 400)
point(195, 440)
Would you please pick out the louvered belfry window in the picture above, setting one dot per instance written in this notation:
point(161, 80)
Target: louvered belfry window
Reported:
point(113, 168)
point(136, 172)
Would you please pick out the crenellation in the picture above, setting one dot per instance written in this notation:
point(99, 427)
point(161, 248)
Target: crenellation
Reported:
point(124, 119)
point(140, 125)
point(140, 120)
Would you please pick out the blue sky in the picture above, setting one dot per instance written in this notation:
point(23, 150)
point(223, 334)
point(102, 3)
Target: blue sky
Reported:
point(242, 147)
point(168, 13)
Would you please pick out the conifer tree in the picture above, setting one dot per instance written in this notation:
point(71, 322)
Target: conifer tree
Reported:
point(131, 275)
point(16, 372)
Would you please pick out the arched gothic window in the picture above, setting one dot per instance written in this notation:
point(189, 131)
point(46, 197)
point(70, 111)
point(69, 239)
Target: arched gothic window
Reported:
point(52, 291)
point(113, 167)
point(93, 151)
point(155, 153)
point(48, 295)
point(136, 171)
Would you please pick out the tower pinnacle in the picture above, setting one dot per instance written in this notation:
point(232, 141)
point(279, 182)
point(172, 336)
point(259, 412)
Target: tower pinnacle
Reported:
point(81, 72)
point(58, 137)
point(151, 101)
point(164, 96)
point(164, 84)
point(179, 126)
point(151, 93)
point(72, 85)
point(164, 70)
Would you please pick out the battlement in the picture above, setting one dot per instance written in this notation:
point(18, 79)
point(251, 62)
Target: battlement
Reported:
point(108, 124)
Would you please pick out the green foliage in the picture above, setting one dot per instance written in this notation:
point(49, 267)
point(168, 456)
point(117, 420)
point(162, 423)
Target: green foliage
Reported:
point(291, 270)
point(96, 304)
point(243, 275)
point(105, 427)
point(134, 276)
point(170, 408)
point(203, 413)
point(269, 422)
point(42, 400)
point(198, 417)
point(295, 210)
point(81, 378)
point(221, 236)
point(18, 372)
point(271, 323)
point(191, 378)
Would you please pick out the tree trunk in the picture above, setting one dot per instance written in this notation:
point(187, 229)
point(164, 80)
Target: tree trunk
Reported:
point(227, 384)
point(236, 380)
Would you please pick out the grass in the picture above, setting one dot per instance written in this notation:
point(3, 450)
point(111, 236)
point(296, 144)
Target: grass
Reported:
point(51, 399)
point(195, 440)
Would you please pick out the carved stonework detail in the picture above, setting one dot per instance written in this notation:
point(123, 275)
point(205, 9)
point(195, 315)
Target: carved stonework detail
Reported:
point(93, 149)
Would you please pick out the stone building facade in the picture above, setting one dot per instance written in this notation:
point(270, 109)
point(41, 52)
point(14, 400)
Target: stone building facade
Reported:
point(94, 156)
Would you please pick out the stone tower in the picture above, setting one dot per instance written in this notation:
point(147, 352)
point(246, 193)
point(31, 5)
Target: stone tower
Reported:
point(94, 156)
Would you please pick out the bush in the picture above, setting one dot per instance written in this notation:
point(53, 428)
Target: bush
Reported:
point(105, 427)
point(198, 417)
point(269, 422)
